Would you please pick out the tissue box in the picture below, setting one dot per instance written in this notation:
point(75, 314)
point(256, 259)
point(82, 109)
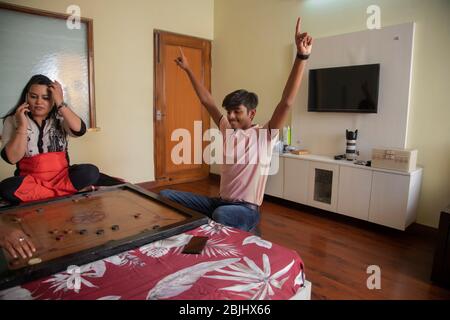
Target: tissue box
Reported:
point(395, 159)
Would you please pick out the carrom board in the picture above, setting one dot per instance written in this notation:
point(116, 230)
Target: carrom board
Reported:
point(82, 228)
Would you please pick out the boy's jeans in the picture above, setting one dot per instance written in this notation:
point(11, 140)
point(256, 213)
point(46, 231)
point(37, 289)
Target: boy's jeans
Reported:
point(240, 215)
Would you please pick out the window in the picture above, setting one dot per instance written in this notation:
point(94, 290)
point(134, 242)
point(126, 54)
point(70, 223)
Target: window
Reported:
point(40, 42)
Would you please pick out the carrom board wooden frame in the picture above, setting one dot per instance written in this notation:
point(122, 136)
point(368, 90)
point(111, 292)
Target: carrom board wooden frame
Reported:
point(10, 278)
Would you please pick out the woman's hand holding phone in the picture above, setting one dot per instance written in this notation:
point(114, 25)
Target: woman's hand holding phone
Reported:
point(21, 118)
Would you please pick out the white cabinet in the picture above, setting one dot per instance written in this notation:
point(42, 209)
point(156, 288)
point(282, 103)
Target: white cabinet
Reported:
point(380, 196)
point(323, 185)
point(388, 205)
point(275, 180)
point(354, 192)
point(295, 180)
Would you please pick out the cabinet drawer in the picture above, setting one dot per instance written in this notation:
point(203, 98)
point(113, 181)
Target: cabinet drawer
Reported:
point(389, 199)
point(274, 185)
point(295, 180)
point(354, 190)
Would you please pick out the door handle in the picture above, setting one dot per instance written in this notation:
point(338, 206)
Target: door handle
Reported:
point(159, 115)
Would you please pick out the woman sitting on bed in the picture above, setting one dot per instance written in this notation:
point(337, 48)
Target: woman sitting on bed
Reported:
point(34, 138)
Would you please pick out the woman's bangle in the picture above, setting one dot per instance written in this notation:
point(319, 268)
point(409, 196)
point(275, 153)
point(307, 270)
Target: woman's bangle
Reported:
point(63, 104)
point(21, 130)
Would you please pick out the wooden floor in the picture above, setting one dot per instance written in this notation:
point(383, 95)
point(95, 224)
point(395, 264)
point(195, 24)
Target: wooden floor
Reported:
point(337, 250)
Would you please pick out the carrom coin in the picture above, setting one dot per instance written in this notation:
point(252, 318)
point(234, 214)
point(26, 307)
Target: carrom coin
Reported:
point(34, 261)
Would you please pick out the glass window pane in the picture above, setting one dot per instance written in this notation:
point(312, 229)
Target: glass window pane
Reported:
point(33, 44)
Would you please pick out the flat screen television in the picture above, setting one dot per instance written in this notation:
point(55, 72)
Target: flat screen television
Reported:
point(344, 89)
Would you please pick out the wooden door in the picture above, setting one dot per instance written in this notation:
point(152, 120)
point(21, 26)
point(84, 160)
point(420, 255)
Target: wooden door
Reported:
point(176, 106)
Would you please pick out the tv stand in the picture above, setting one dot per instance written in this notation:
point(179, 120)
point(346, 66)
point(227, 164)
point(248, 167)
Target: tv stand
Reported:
point(381, 196)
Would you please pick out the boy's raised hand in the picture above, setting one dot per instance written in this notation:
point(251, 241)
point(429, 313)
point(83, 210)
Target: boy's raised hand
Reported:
point(182, 61)
point(302, 40)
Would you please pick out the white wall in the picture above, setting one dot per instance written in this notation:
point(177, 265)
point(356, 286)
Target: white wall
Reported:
point(324, 133)
point(253, 49)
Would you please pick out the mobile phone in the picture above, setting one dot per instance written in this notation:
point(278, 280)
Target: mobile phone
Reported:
point(195, 245)
point(26, 101)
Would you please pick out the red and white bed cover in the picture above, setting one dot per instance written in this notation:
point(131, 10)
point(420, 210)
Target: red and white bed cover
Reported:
point(233, 265)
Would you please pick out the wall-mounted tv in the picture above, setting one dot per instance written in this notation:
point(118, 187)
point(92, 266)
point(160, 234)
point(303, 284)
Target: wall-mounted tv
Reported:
point(344, 89)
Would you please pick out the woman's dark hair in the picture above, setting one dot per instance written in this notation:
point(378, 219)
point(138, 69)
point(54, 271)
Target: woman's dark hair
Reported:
point(238, 97)
point(36, 79)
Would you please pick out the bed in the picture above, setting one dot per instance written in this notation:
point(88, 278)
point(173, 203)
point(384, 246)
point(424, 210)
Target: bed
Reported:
point(234, 265)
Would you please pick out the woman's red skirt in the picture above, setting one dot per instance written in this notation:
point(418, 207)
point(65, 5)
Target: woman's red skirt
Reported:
point(46, 176)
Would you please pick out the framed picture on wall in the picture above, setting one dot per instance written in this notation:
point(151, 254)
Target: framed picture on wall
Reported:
point(53, 44)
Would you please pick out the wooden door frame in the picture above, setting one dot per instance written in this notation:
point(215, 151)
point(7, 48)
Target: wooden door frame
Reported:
point(158, 97)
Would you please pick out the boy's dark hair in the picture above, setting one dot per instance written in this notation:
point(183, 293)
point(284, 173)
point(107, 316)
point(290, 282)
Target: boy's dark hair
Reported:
point(238, 97)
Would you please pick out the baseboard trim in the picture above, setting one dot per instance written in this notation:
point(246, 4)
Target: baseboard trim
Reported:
point(414, 228)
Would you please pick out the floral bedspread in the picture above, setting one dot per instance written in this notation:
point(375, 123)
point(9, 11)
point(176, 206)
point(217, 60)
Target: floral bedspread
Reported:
point(233, 265)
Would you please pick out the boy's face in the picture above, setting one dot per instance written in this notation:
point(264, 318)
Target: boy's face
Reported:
point(240, 117)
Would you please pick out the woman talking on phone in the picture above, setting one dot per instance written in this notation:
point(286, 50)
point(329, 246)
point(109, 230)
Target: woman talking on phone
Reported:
point(34, 138)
